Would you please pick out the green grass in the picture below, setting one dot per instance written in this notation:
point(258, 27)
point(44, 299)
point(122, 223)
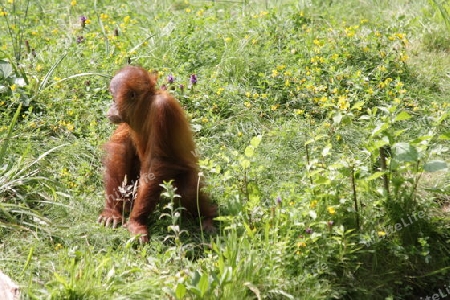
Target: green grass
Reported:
point(297, 106)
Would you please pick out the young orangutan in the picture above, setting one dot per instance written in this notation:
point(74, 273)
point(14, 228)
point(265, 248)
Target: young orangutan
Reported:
point(152, 143)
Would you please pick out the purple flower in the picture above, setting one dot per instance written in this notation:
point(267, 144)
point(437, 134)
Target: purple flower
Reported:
point(330, 224)
point(170, 79)
point(80, 39)
point(309, 230)
point(279, 201)
point(83, 21)
point(193, 79)
point(182, 87)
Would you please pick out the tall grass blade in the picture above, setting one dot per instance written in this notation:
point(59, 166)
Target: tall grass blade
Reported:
point(9, 134)
point(444, 13)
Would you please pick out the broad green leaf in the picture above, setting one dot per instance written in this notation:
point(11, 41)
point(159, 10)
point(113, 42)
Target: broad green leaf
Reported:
point(405, 152)
point(316, 138)
point(375, 175)
point(253, 193)
point(380, 143)
point(435, 165)
point(249, 151)
point(180, 291)
point(337, 118)
point(20, 82)
point(445, 136)
point(195, 278)
point(385, 109)
point(196, 127)
point(402, 116)
point(399, 132)
point(380, 128)
point(310, 141)
point(5, 69)
point(422, 138)
point(326, 150)
point(245, 163)
point(358, 105)
point(347, 119)
point(256, 141)
point(322, 180)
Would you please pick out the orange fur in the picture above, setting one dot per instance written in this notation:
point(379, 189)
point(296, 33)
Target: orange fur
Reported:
point(152, 143)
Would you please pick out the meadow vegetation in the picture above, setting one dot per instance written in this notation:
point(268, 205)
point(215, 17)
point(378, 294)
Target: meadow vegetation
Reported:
point(322, 126)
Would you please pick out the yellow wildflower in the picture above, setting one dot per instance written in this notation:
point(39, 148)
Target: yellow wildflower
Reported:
point(200, 12)
point(404, 57)
point(343, 103)
point(331, 210)
point(350, 32)
point(301, 244)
